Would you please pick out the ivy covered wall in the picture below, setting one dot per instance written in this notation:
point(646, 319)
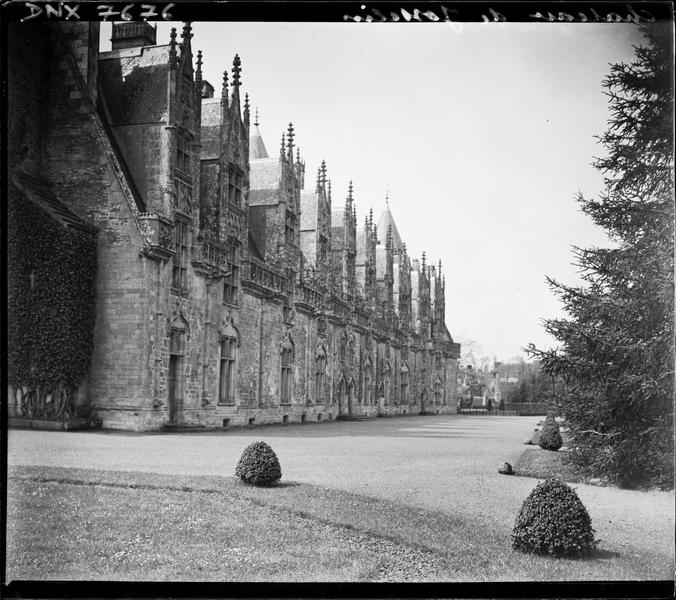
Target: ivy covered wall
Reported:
point(51, 309)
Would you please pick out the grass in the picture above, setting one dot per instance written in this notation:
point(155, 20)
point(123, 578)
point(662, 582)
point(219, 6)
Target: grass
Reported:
point(543, 464)
point(85, 524)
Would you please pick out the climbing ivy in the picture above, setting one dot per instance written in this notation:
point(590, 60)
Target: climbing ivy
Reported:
point(51, 308)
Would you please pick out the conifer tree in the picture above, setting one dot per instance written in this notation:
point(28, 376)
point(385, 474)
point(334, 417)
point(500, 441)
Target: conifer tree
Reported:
point(616, 353)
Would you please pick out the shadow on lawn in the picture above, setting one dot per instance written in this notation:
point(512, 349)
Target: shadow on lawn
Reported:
point(454, 425)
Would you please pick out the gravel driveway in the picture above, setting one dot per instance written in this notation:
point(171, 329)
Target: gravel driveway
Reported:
point(446, 463)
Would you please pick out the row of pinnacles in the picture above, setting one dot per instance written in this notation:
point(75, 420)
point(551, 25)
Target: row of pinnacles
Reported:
point(227, 292)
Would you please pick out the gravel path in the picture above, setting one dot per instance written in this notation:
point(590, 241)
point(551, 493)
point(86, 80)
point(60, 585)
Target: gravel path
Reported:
point(446, 463)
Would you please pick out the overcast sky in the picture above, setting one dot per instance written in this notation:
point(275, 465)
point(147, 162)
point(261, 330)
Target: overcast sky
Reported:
point(482, 137)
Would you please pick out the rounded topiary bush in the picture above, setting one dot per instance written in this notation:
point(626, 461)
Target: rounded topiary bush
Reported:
point(550, 437)
point(506, 469)
point(259, 465)
point(553, 521)
point(550, 419)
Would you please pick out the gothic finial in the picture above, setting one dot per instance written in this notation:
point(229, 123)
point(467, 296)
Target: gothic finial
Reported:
point(423, 260)
point(246, 108)
point(319, 179)
point(186, 34)
point(439, 267)
point(283, 148)
point(298, 154)
point(236, 70)
point(350, 188)
point(387, 197)
point(256, 118)
point(224, 92)
point(371, 216)
point(198, 71)
point(329, 191)
point(173, 59)
point(403, 247)
point(322, 168)
point(289, 142)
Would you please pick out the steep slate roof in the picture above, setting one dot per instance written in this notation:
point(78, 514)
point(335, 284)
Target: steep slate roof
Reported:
point(256, 146)
point(385, 221)
point(265, 174)
point(309, 202)
point(39, 192)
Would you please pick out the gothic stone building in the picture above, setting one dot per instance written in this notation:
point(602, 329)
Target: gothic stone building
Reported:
point(228, 291)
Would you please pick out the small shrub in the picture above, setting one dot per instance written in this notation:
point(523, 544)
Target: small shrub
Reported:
point(259, 465)
point(506, 469)
point(550, 419)
point(553, 521)
point(550, 437)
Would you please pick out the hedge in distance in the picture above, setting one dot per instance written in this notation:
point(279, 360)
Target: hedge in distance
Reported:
point(553, 521)
point(259, 465)
point(550, 437)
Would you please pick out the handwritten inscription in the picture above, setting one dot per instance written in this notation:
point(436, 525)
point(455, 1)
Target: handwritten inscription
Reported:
point(374, 15)
point(377, 16)
point(129, 12)
point(632, 16)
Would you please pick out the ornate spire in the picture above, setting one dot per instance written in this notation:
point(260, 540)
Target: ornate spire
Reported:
point(423, 261)
point(329, 194)
point(256, 117)
point(289, 142)
point(319, 179)
point(246, 108)
point(371, 216)
point(198, 71)
point(322, 169)
point(236, 70)
point(439, 267)
point(298, 154)
point(283, 148)
point(173, 58)
point(224, 91)
point(350, 189)
point(186, 35)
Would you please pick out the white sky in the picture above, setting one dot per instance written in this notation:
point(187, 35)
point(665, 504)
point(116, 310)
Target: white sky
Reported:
point(482, 137)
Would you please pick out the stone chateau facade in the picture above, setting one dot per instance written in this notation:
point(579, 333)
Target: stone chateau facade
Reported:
point(230, 290)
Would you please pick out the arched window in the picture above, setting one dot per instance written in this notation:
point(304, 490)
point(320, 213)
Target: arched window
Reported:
point(367, 382)
point(287, 372)
point(404, 383)
point(320, 374)
point(226, 385)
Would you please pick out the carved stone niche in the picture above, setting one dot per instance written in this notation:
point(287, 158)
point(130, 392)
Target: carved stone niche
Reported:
point(159, 234)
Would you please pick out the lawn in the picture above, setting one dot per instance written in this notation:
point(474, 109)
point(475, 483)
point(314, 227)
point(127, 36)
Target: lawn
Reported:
point(103, 525)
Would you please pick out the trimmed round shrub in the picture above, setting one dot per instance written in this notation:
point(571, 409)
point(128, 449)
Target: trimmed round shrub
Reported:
point(553, 521)
point(550, 419)
point(506, 469)
point(259, 465)
point(550, 437)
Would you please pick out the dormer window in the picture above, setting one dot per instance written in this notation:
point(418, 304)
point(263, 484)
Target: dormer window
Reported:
point(188, 90)
point(235, 184)
point(290, 227)
point(183, 153)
